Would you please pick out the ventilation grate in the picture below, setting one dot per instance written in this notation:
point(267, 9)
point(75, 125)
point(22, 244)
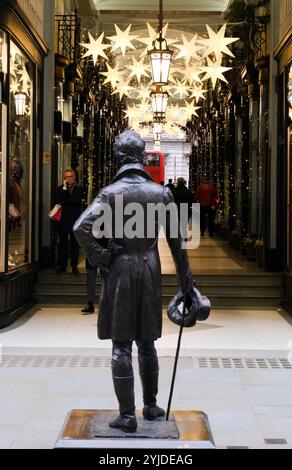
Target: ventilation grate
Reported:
point(55, 361)
point(276, 442)
point(165, 362)
point(240, 363)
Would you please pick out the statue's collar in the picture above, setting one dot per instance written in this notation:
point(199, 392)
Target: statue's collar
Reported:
point(131, 168)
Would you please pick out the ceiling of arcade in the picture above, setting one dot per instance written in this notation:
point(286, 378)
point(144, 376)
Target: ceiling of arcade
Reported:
point(187, 15)
point(196, 58)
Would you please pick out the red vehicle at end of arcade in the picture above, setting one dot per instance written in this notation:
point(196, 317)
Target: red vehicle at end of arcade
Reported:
point(154, 165)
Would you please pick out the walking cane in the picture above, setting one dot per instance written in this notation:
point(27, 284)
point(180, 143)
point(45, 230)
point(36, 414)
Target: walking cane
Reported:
point(176, 361)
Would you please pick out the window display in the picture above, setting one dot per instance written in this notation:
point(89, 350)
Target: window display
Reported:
point(3, 114)
point(20, 158)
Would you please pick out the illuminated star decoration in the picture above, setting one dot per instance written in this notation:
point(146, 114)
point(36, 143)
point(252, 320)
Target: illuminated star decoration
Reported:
point(144, 93)
point(95, 48)
point(13, 52)
point(174, 113)
point(190, 110)
point(122, 40)
point(180, 89)
point(14, 86)
point(215, 72)
point(138, 69)
point(152, 36)
point(135, 125)
point(122, 89)
point(217, 43)
point(197, 93)
point(25, 88)
point(25, 78)
point(114, 75)
point(189, 49)
point(131, 112)
point(192, 74)
point(14, 70)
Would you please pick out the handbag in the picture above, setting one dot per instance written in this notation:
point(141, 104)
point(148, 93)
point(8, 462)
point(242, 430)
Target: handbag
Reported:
point(56, 213)
point(13, 212)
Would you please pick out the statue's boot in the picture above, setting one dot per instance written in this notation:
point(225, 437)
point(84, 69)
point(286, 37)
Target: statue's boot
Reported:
point(150, 389)
point(124, 389)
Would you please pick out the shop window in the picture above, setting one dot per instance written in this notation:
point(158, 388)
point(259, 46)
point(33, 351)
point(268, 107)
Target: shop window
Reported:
point(3, 117)
point(290, 93)
point(20, 158)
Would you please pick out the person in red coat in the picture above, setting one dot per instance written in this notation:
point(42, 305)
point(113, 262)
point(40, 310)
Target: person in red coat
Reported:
point(208, 198)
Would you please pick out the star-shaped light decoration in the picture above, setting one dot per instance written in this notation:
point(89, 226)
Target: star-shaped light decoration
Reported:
point(190, 110)
point(215, 72)
point(14, 70)
point(138, 69)
point(122, 89)
point(25, 88)
point(189, 49)
point(95, 48)
point(13, 53)
point(217, 43)
point(197, 94)
point(174, 113)
point(170, 129)
point(122, 40)
point(24, 78)
point(143, 108)
point(152, 36)
point(131, 112)
point(180, 89)
point(114, 75)
point(14, 86)
point(135, 125)
point(192, 74)
point(144, 92)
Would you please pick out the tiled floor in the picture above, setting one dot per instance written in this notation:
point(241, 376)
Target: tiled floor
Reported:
point(244, 406)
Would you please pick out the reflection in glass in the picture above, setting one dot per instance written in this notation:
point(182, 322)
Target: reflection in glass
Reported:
point(20, 147)
point(3, 109)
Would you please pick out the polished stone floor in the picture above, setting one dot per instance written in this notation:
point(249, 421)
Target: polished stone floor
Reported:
point(211, 255)
point(234, 367)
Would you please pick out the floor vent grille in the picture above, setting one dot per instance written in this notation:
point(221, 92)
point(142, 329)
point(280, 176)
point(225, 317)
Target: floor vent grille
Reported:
point(240, 363)
point(165, 362)
point(276, 442)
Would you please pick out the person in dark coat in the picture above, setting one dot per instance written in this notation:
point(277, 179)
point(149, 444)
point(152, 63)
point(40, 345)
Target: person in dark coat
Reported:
point(70, 197)
point(130, 300)
point(171, 186)
point(182, 195)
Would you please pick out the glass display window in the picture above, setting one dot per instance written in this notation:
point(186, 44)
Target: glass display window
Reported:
point(20, 158)
point(3, 127)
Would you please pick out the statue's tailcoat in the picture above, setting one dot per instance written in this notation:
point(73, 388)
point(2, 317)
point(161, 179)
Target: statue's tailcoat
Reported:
point(130, 301)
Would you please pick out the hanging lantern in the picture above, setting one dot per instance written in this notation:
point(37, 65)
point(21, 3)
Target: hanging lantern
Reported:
point(157, 128)
point(160, 55)
point(157, 145)
point(159, 101)
point(160, 58)
point(20, 102)
point(156, 136)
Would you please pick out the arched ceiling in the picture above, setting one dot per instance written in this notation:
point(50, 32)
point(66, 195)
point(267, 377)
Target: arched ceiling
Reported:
point(180, 14)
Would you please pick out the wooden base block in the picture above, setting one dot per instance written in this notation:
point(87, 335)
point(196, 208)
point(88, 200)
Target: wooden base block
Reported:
point(79, 432)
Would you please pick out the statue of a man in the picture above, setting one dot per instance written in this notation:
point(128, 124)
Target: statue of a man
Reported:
point(130, 302)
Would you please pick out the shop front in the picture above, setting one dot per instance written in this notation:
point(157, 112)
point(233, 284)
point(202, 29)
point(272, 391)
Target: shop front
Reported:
point(21, 58)
point(283, 54)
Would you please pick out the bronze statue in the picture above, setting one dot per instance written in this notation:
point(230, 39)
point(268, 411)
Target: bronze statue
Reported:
point(130, 302)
